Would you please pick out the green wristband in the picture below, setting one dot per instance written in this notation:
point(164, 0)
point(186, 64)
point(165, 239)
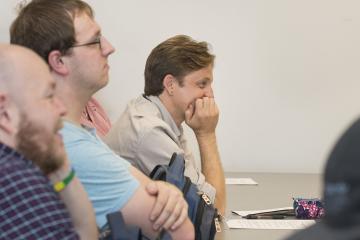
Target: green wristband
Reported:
point(59, 186)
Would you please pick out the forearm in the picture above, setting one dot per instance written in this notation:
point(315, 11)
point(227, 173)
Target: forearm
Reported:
point(137, 212)
point(212, 168)
point(78, 205)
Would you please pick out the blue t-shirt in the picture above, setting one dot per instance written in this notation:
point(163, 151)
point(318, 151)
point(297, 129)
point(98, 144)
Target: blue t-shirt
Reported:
point(104, 175)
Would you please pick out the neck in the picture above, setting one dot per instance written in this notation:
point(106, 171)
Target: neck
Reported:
point(8, 141)
point(174, 111)
point(74, 100)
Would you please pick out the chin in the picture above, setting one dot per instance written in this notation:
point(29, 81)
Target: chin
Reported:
point(56, 161)
point(103, 82)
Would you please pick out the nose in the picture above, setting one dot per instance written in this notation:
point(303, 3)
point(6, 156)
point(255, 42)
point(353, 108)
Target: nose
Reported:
point(209, 92)
point(106, 47)
point(60, 107)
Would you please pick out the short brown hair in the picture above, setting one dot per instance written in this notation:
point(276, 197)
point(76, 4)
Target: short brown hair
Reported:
point(177, 56)
point(46, 25)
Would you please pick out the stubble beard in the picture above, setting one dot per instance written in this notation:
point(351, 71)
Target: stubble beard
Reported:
point(42, 152)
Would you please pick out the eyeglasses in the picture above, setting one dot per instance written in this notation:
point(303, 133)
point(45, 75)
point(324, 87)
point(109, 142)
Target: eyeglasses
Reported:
point(97, 40)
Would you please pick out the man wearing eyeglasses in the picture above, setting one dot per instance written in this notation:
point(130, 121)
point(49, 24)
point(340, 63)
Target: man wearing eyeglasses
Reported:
point(93, 115)
point(65, 34)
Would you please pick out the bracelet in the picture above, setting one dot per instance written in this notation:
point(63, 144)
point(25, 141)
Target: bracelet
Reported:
point(59, 186)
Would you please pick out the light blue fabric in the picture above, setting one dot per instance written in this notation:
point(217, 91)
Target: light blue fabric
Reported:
point(105, 176)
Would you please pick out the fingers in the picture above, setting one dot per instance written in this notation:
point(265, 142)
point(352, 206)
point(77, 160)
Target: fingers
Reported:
point(213, 109)
point(174, 216)
point(205, 116)
point(189, 113)
point(206, 108)
point(182, 217)
point(161, 201)
point(206, 104)
point(199, 105)
point(170, 209)
point(178, 215)
point(152, 188)
point(169, 213)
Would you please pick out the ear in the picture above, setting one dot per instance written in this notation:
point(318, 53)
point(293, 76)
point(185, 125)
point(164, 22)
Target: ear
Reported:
point(7, 123)
point(56, 63)
point(169, 84)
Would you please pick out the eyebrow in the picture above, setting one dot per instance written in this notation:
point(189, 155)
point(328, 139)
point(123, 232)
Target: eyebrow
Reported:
point(96, 34)
point(50, 88)
point(93, 36)
point(204, 80)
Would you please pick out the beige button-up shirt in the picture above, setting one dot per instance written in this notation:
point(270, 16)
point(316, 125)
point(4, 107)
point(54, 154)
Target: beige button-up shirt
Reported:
point(146, 135)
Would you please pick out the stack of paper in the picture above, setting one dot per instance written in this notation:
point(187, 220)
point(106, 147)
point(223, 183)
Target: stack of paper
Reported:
point(269, 224)
point(240, 181)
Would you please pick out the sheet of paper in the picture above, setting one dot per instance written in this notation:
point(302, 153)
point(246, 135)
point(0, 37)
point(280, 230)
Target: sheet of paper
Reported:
point(244, 213)
point(240, 181)
point(269, 224)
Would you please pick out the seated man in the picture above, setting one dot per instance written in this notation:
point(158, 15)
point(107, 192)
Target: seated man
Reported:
point(65, 33)
point(341, 192)
point(30, 149)
point(178, 79)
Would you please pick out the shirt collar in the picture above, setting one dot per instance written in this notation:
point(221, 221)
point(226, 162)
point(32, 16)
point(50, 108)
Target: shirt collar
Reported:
point(84, 128)
point(166, 115)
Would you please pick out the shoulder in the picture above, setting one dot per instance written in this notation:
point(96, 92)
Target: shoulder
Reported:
point(87, 152)
point(22, 179)
point(71, 132)
point(18, 170)
point(80, 139)
point(139, 111)
point(140, 118)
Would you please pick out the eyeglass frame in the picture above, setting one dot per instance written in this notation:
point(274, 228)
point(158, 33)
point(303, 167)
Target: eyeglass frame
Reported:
point(96, 41)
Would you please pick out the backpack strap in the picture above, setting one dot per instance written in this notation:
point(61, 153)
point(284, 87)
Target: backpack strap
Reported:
point(159, 173)
point(118, 229)
point(177, 165)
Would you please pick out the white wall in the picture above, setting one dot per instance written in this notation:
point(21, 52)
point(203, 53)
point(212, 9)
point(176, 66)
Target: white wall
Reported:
point(286, 76)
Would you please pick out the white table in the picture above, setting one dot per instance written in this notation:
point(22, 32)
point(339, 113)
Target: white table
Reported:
point(274, 190)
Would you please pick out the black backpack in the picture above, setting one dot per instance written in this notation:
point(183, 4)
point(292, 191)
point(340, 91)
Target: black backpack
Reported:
point(202, 212)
